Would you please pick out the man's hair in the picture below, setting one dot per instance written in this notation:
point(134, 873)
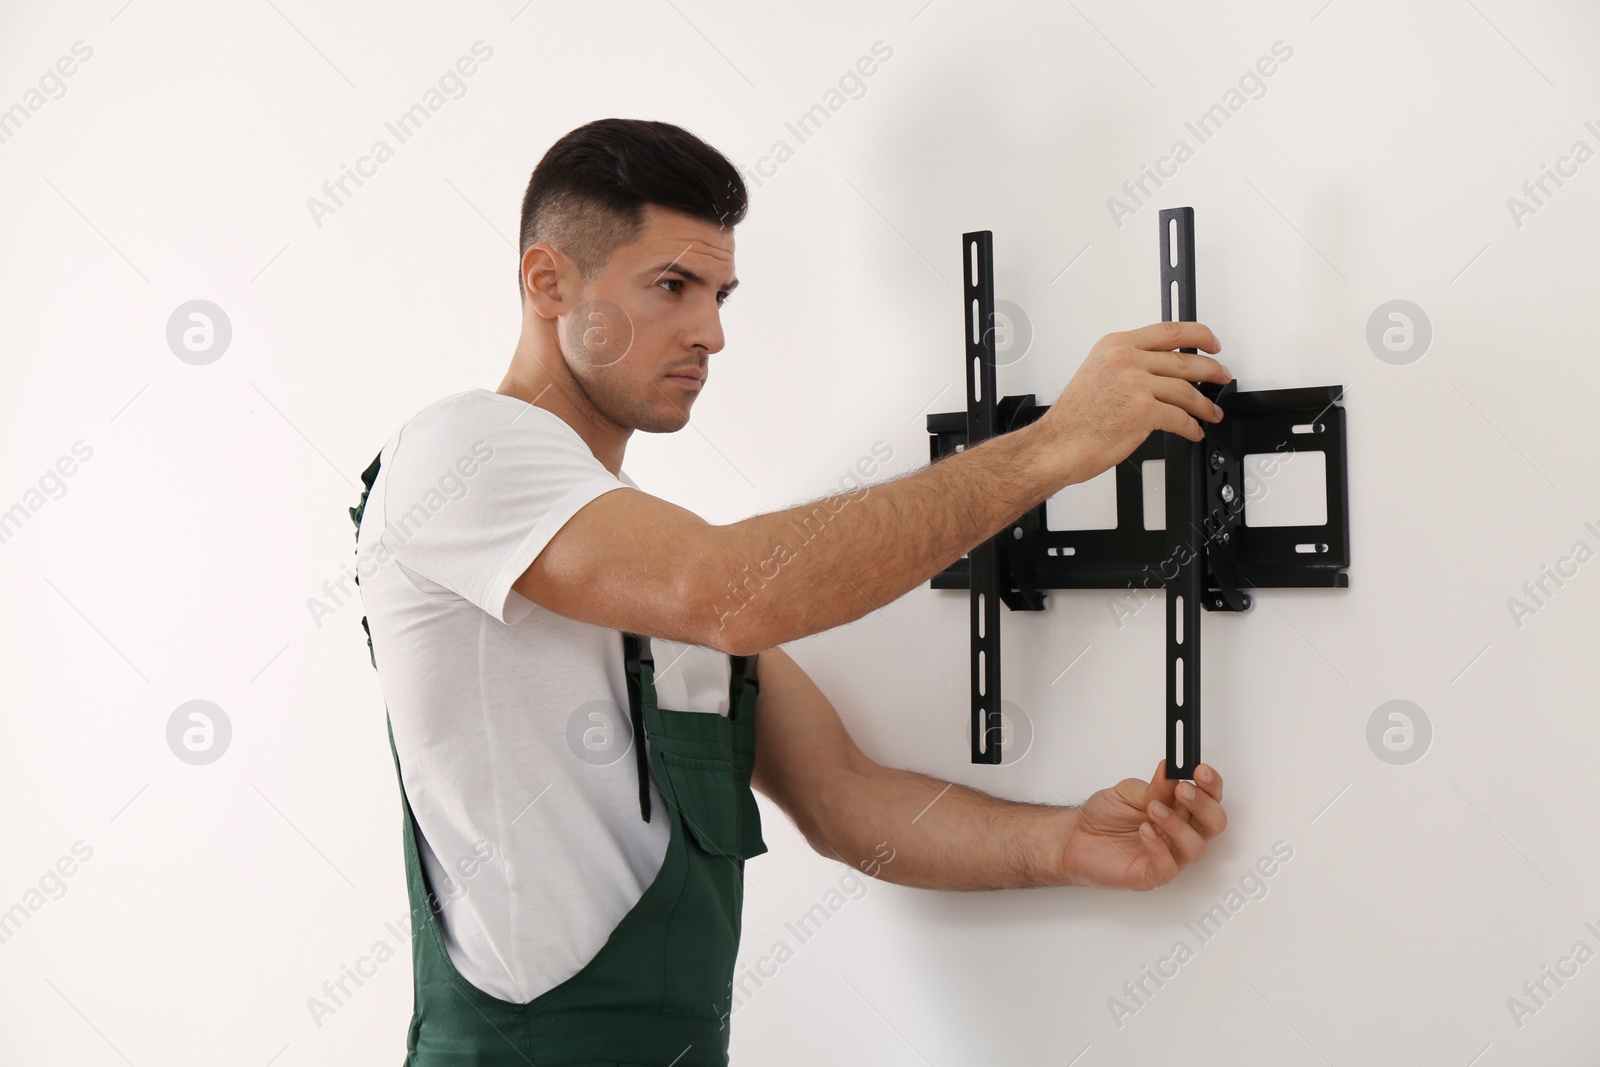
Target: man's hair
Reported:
point(588, 194)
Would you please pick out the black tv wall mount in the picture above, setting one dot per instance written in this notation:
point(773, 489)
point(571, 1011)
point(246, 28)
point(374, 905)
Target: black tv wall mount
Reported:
point(1204, 558)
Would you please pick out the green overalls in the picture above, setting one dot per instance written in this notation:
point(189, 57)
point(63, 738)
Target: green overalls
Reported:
point(659, 992)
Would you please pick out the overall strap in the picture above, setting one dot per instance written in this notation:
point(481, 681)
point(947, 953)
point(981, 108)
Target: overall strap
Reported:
point(740, 668)
point(368, 476)
point(636, 650)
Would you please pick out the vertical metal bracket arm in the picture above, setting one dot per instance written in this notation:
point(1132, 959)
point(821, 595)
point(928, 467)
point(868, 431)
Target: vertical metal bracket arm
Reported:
point(977, 309)
point(1205, 513)
point(1185, 544)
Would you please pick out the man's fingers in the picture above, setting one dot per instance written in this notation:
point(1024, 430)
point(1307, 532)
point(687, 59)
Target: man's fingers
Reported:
point(1207, 778)
point(1163, 867)
point(1186, 840)
point(1204, 813)
point(1158, 343)
point(1183, 815)
point(1188, 366)
point(1185, 397)
point(1161, 787)
point(1165, 336)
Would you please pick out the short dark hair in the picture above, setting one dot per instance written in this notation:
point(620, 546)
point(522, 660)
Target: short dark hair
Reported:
point(588, 194)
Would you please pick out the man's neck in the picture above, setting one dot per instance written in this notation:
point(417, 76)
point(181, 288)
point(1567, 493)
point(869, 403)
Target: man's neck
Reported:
point(606, 440)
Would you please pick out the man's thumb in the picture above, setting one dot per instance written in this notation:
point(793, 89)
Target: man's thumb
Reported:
point(1133, 791)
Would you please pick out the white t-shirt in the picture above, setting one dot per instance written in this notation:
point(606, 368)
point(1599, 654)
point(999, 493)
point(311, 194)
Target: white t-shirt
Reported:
point(511, 722)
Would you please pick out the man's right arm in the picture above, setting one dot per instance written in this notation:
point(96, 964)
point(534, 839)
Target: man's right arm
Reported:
point(631, 561)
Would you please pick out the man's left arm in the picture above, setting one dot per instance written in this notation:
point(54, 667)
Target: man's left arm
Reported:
point(915, 830)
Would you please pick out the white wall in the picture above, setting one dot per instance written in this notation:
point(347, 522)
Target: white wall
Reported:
point(176, 561)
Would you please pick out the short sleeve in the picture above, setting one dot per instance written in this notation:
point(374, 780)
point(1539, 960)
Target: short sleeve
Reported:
point(477, 486)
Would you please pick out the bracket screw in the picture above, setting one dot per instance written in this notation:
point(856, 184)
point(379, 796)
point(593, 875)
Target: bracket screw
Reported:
point(1222, 538)
point(1217, 460)
point(1227, 493)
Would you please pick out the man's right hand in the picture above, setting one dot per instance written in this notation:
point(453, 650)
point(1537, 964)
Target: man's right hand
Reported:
point(1130, 385)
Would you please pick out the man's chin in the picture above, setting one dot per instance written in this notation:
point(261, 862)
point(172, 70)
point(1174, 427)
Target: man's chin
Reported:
point(670, 422)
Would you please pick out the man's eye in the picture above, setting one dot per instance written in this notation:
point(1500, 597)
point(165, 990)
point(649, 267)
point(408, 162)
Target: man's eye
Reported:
point(671, 281)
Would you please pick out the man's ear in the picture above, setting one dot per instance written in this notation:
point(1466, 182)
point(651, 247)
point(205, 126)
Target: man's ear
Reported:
point(548, 278)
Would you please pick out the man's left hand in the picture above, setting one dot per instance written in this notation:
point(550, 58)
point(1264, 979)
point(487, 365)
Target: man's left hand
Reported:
point(1139, 835)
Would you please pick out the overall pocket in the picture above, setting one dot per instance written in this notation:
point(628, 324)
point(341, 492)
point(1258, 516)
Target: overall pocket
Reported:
point(717, 805)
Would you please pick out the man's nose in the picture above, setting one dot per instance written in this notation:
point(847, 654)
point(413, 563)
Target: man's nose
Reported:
point(707, 332)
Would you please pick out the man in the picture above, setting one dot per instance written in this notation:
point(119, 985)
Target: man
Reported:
point(553, 924)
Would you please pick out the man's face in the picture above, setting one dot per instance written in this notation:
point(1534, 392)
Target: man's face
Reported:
point(652, 314)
